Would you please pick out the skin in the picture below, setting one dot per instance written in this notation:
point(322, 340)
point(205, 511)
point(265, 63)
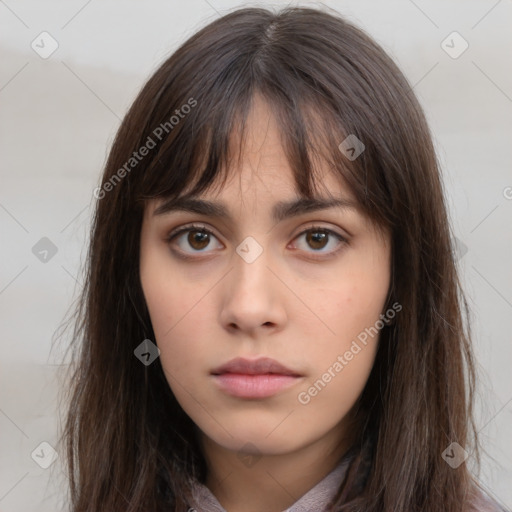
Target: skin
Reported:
point(301, 311)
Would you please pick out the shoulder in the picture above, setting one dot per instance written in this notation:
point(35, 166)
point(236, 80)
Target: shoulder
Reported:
point(483, 502)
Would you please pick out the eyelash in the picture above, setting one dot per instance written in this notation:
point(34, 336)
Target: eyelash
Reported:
point(313, 229)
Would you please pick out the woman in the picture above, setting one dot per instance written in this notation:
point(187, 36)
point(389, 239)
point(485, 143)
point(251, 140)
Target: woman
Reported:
point(272, 316)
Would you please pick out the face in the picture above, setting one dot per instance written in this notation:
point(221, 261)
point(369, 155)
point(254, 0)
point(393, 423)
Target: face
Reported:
point(304, 290)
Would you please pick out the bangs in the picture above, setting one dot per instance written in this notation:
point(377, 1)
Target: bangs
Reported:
point(320, 96)
point(194, 162)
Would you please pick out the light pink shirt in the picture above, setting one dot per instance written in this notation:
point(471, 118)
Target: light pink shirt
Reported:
point(315, 500)
point(318, 498)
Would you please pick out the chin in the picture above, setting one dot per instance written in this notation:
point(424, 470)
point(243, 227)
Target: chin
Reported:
point(251, 440)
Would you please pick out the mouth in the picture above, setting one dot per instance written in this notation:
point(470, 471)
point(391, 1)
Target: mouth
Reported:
point(260, 378)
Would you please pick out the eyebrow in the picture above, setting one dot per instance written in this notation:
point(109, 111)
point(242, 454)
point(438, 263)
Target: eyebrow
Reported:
point(281, 210)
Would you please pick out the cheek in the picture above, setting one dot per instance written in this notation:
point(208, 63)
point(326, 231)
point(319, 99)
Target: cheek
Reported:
point(180, 324)
point(183, 333)
point(341, 363)
point(181, 315)
point(346, 331)
point(353, 302)
point(173, 310)
point(169, 296)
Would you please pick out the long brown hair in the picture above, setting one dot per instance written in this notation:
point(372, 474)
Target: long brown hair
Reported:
point(130, 446)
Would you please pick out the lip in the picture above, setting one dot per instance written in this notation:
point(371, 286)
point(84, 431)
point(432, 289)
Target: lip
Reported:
point(260, 366)
point(259, 378)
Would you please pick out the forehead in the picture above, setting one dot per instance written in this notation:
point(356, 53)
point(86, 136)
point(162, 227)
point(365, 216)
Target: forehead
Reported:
point(268, 189)
point(261, 186)
point(258, 162)
point(269, 179)
point(257, 174)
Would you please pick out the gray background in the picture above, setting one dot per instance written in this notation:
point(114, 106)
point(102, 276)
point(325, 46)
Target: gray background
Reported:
point(59, 116)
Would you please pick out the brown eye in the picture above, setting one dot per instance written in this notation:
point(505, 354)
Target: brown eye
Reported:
point(316, 239)
point(193, 239)
point(198, 239)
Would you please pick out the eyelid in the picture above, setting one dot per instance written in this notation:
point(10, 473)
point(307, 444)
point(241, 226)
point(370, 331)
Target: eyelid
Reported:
point(320, 255)
point(343, 239)
point(189, 227)
point(312, 225)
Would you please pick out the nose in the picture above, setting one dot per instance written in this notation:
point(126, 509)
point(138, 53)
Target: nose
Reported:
point(253, 297)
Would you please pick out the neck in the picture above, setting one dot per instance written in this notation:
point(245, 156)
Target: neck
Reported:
point(245, 482)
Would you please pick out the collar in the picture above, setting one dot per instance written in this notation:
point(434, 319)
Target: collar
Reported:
point(316, 499)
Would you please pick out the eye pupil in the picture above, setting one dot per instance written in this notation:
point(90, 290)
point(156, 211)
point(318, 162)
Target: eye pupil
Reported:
point(317, 239)
point(198, 239)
